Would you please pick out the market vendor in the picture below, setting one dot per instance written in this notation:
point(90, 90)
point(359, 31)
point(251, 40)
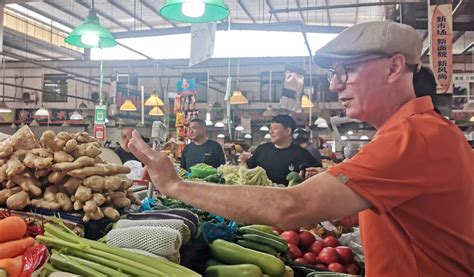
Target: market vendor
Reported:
point(412, 184)
point(201, 149)
point(280, 156)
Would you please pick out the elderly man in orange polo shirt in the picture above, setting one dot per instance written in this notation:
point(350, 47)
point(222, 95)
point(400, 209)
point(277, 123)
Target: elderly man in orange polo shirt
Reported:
point(413, 184)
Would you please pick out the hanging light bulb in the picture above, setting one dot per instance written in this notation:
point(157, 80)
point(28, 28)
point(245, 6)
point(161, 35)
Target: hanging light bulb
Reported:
point(65, 124)
point(267, 136)
point(264, 128)
point(195, 11)
point(471, 119)
point(220, 136)
point(364, 137)
point(13, 126)
point(154, 100)
point(269, 112)
point(343, 137)
point(350, 132)
point(91, 34)
point(239, 128)
point(208, 119)
point(193, 8)
point(248, 136)
point(128, 106)
point(322, 125)
point(156, 111)
point(219, 124)
point(34, 123)
point(305, 102)
point(320, 120)
point(238, 98)
point(76, 116)
point(42, 112)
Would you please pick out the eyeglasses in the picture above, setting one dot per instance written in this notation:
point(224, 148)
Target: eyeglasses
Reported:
point(340, 71)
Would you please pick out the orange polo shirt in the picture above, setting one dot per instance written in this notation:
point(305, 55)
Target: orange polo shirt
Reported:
point(418, 174)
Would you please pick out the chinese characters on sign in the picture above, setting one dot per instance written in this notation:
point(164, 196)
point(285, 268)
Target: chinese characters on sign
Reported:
point(441, 46)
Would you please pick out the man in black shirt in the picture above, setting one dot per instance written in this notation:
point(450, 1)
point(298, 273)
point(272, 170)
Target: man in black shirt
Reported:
point(123, 152)
point(280, 156)
point(201, 149)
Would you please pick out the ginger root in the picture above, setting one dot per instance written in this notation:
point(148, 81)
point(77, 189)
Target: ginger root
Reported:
point(71, 185)
point(42, 172)
point(6, 149)
point(99, 169)
point(45, 204)
point(98, 198)
point(15, 166)
point(79, 163)
point(112, 183)
point(111, 213)
point(50, 192)
point(18, 201)
point(6, 193)
point(96, 215)
point(56, 176)
point(95, 182)
point(28, 184)
point(37, 162)
point(83, 194)
point(64, 202)
point(70, 146)
point(48, 139)
point(119, 199)
point(90, 206)
point(133, 198)
point(63, 136)
point(61, 157)
point(90, 149)
point(78, 205)
point(3, 172)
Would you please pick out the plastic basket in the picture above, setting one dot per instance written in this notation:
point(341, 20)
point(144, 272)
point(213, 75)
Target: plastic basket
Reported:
point(202, 173)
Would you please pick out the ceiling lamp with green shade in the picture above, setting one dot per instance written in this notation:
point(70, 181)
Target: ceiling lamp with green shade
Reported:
point(91, 34)
point(195, 11)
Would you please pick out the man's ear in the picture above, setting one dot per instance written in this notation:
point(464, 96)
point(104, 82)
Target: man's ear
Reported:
point(397, 68)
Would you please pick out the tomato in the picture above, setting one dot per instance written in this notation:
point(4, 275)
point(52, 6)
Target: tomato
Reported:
point(316, 247)
point(294, 251)
point(336, 267)
point(345, 253)
point(306, 238)
point(301, 261)
point(331, 241)
point(310, 257)
point(291, 237)
point(321, 266)
point(328, 255)
point(352, 269)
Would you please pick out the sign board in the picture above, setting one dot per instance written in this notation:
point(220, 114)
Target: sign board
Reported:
point(100, 114)
point(441, 45)
point(99, 133)
point(202, 42)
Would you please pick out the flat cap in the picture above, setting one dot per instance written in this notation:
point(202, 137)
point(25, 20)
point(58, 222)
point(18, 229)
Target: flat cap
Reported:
point(376, 37)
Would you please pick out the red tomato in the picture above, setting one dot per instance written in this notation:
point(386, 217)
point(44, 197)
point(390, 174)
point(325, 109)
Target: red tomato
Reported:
point(316, 247)
point(306, 238)
point(336, 267)
point(294, 251)
point(301, 261)
point(352, 269)
point(291, 237)
point(331, 241)
point(310, 257)
point(345, 253)
point(328, 255)
point(321, 266)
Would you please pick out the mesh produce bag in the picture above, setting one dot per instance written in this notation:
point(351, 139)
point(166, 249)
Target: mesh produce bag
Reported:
point(175, 224)
point(175, 258)
point(161, 241)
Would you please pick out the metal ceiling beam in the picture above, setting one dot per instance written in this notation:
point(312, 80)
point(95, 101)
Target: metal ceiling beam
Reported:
point(43, 91)
point(270, 6)
point(329, 15)
point(50, 16)
point(19, 48)
point(61, 8)
point(135, 51)
point(45, 65)
point(104, 15)
point(301, 12)
point(124, 10)
point(290, 26)
point(242, 5)
point(457, 36)
point(344, 6)
point(155, 11)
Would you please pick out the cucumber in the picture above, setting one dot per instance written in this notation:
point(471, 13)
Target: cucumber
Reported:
point(231, 253)
point(241, 270)
point(257, 246)
point(278, 246)
point(178, 211)
point(212, 262)
point(262, 228)
point(245, 230)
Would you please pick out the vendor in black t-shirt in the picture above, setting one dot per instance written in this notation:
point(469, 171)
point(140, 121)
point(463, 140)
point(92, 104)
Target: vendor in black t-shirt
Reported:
point(201, 149)
point(280, 156)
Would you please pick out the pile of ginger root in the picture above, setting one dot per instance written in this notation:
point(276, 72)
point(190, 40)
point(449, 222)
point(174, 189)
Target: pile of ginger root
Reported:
point(62, 172)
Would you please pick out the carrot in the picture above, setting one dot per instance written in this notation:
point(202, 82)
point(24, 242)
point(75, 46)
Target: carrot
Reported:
point(12, 228)
point(13, 267)
point(14, 248)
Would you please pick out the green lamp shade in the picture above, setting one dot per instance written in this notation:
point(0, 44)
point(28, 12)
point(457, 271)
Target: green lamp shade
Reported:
point(90, 34)
point(195, 11)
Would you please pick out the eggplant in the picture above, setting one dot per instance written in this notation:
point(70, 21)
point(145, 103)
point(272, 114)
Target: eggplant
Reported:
point(177, 211)
point(157, 216)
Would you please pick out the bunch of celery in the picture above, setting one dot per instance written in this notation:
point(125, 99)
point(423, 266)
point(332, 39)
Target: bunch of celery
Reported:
point(92, 258)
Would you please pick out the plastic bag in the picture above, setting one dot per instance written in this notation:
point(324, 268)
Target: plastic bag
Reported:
point(34, 257)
